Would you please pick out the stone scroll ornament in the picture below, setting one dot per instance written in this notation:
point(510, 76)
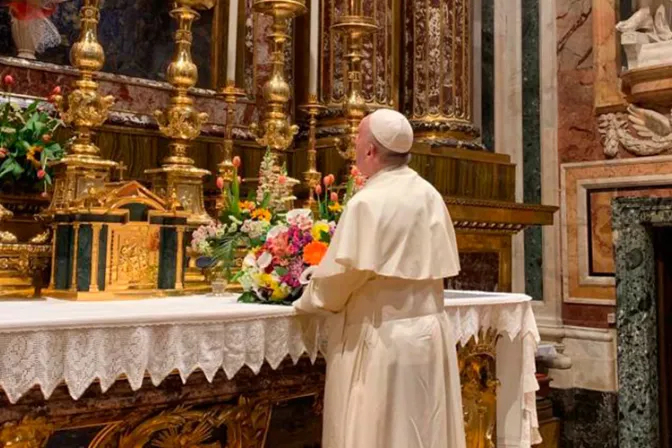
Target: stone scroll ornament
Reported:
point(32, 30)
point(642, 132)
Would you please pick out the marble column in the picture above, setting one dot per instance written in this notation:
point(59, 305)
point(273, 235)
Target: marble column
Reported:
point(438, 70)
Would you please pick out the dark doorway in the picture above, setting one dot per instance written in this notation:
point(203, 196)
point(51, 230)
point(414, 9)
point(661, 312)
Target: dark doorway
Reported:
point(663, 257)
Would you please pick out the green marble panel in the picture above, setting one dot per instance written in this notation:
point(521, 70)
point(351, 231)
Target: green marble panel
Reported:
point(102, 257)
point(63, 268)
point(532, 143)
point(168, 258)
point(84, 257)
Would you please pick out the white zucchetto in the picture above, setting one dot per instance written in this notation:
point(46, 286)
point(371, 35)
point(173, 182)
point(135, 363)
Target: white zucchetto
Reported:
point(392, 130)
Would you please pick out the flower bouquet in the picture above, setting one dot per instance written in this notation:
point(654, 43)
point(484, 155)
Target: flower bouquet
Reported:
point(26, 142)
point(243, 223)
point(277, 270)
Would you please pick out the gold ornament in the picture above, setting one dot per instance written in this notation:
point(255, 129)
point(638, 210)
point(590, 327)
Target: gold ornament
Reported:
point(82, 167)
point(28, 433)
point(354, 26)
point(479, 388)
point(178, 181)
point(276, 131)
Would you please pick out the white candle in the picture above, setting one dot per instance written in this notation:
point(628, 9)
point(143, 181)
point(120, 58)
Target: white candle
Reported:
point(233, 37)
point(314, 42)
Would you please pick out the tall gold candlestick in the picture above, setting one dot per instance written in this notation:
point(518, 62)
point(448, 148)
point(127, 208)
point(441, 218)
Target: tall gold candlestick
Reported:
point(276, 131)
point(311, 175)
point(178, 179)
point(82, 169)
point(354, 27)
point(231, 95)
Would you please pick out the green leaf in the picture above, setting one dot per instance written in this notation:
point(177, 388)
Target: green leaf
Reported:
point(281, 271)
point(325, 237)
point(247, 297)
point(7, 167)
point(17, 170)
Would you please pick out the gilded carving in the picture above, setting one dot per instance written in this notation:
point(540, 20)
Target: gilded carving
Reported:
point(479, 388)
point(28, 433)
point(246, 424)
point(135, 257)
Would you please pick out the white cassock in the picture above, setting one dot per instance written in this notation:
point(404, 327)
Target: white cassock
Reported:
point(392, 374)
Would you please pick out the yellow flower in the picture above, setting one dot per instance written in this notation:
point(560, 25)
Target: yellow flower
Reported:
point(261, 214)
point(247, 205)
point(279, 292)
point(317, 230)
point(336, 207)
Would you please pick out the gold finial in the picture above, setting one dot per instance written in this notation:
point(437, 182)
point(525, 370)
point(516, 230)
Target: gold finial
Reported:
point(231, 95)
point(276, 131)
point(86, 108)
point(354, 26)
point(311, 175)
point(182, 122)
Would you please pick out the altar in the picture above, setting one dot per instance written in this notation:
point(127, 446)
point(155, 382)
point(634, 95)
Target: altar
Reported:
point(207, 370)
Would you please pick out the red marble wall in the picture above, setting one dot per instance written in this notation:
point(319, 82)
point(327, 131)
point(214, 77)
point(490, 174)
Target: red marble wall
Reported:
point(578, 138)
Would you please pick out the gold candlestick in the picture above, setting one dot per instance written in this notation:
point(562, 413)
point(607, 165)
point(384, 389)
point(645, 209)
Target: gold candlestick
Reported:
point(225, 168)
point(354, 26)
point(276, 131)
point(82, 169)
point(311, 175)
point(178, 181)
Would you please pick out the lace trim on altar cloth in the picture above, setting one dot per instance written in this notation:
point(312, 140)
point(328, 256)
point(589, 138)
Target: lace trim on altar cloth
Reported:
point(80, 356)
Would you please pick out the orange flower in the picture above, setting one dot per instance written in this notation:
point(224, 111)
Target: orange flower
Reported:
point(261, 214)
point(247, 205)
point(314, 252)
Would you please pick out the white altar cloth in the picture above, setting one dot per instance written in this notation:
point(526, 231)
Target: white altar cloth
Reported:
point(45, 343)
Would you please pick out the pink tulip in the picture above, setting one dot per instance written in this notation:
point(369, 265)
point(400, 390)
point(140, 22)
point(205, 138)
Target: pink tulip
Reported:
point(236, 162)
point(8, 80)
point(318, 189)
point(333, 196)
point(220, 183)
point(41, 174)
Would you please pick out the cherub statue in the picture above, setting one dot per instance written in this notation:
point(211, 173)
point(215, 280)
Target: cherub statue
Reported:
point(32, 30)
point(656, 28)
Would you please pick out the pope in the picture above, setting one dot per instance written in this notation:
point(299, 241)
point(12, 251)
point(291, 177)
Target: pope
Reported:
point(392, 374)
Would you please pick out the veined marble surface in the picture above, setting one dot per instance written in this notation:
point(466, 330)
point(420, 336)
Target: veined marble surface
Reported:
point(637, 318)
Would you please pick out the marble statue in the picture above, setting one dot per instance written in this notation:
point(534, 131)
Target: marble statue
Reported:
point(647, 37)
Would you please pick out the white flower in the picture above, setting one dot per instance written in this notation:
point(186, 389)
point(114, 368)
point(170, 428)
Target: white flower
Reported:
point(264, 260)
point(250, 260)
point(300, 217)
point(277, 230)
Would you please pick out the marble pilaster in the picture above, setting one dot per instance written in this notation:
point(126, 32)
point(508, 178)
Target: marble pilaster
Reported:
point(509, 109)
point(549, 312)
point(607, 87)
